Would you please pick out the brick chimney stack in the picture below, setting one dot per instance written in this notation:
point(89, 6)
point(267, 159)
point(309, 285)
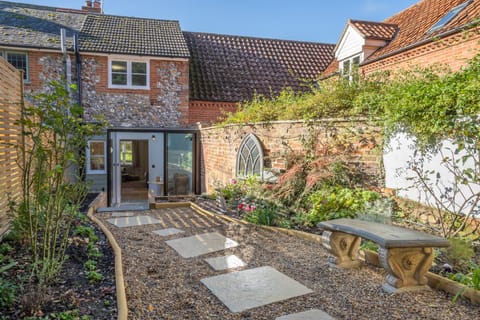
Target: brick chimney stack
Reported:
point(94, 6)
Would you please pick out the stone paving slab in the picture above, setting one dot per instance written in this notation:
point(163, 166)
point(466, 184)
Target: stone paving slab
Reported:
point(225, 262)
point(123, 214)
point(313, 314)
point(201, 244)
point(123, 222)
point(168, 232)
point(243, 290)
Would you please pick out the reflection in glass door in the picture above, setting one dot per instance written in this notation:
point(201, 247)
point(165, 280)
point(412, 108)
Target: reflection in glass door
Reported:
point(180, 163)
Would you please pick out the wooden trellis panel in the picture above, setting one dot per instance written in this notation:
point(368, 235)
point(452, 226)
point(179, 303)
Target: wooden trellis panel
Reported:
point(11, 101)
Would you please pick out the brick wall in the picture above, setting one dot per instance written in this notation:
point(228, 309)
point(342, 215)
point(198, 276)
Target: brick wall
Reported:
point(219, 146)
point(209, 111)
point(11, 92)
point(453, 50)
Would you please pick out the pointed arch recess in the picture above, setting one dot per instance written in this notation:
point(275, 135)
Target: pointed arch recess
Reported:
point(250, 157)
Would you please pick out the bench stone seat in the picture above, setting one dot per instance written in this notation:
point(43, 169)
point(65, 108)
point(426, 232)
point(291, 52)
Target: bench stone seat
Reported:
point(405, 254)
point(387, 236)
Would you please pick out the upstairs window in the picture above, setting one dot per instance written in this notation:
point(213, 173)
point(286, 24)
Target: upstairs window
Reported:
point(349, 67)
point(128, 74)
point(17, 59)
point(449, 16)
point(250, 157)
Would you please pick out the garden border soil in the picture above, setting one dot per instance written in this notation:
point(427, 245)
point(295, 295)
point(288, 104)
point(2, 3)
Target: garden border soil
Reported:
point(119, 280)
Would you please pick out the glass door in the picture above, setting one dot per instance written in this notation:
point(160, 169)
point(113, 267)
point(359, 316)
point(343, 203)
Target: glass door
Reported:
point(180, 163)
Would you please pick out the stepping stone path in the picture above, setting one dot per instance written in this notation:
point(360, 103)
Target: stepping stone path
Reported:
point(239, 290)
point(123, 214)
point(313, 314)
point(243, 290)
point(168, 232)
point(201, 244)
point(225, 262)
point(133, 221)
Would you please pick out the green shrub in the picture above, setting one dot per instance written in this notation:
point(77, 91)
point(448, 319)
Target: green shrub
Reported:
point(86, 231)
point(93, 251)
point(90, 265)
point(5, 248)
point(460, 253)
point(337, 202)
point(7, 288)
point(471, 279)
point(94, 276)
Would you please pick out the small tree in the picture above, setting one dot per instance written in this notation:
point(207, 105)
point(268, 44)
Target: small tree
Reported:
point(54, 136)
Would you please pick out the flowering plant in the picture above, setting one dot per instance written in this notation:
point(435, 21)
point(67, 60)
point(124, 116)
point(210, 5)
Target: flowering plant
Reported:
point(246, 207)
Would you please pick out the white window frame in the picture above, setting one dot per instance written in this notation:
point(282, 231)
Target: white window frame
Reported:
point(349, 75)
point(4, 53)
point(129, 62)
point(89, 170)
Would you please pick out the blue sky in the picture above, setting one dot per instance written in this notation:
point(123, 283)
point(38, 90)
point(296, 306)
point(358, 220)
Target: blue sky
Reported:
point(305, 20)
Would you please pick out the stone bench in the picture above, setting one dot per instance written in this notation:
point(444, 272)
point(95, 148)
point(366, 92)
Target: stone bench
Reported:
point(405, 254)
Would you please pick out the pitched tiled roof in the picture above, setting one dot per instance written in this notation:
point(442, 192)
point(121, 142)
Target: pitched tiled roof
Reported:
point(375, 30)
point(39, 27)
point(415, 22)
point(36, 26)
point(234, 68)
point(128, 35)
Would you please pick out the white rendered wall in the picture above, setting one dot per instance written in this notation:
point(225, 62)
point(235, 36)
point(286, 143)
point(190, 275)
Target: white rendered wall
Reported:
point(396, 159)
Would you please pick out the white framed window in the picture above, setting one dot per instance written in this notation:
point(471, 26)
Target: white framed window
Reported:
point(17, 59)
point(349, 66)
point(132, 74)
point(96, 157)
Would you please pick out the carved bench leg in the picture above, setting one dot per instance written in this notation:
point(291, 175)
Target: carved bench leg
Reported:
point(407, 268)
point(343, 246)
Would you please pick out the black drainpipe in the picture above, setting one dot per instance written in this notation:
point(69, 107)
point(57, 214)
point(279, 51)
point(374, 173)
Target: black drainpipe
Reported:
point(79, 70)
point(82, 169)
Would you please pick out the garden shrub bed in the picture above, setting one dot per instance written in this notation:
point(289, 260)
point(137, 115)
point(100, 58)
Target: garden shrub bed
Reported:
point(78, 292)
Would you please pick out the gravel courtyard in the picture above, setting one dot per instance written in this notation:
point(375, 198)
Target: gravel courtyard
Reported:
point(160, 284)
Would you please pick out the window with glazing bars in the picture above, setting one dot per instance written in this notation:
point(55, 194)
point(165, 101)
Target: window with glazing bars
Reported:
point(250, 157)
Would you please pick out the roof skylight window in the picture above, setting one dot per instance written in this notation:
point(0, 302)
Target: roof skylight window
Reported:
point(449, 16)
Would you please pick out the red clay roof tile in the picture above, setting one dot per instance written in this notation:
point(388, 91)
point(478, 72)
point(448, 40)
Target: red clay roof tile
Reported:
point(415, 22)
point(375, 30)
point(234, 68)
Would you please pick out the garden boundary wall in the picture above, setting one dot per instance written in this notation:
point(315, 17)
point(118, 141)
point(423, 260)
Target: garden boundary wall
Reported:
point(361, 142)
point(11, 104)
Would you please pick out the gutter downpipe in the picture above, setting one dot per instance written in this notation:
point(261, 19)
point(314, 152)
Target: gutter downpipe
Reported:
point(79, 69)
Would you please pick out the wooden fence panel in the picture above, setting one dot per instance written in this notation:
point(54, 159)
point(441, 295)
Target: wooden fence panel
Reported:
point(11, 102)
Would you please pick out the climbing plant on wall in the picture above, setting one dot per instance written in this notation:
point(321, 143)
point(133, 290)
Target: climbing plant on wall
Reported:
point(440, 110)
